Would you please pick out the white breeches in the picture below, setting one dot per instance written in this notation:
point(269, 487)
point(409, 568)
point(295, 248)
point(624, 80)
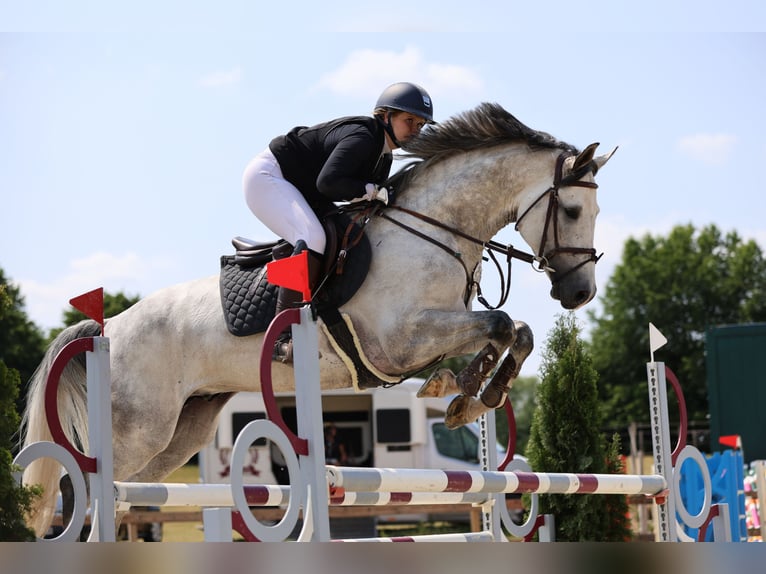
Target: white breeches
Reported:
point(279, 204)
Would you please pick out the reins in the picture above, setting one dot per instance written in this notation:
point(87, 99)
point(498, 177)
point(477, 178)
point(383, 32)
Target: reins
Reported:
point(490, 246)
point(542, 257)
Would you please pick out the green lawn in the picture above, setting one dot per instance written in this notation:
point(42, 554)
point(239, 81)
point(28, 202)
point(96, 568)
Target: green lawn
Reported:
point(183, 531)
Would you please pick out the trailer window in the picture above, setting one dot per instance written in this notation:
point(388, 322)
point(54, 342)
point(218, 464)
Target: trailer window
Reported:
point(460, 443)
point(393, 425)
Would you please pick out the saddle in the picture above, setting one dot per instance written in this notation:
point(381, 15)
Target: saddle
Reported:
point(249, 300)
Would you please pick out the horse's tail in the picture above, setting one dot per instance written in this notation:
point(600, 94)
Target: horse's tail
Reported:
point(73, 412)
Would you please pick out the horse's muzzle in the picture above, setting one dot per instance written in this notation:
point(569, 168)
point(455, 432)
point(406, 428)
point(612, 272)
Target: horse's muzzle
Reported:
point(572, 298)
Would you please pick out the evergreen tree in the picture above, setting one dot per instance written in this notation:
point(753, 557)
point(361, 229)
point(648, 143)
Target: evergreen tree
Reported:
point(566, 437)
point(522, 396)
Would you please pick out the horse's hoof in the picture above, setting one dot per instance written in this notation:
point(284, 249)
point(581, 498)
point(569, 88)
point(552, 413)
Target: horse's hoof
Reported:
point(437, 384)
point(493, 396)
point(457, 412)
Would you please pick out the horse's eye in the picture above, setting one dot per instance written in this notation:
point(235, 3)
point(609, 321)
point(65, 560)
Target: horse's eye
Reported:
point(572, 212)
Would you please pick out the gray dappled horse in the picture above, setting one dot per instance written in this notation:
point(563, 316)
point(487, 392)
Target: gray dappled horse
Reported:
point(174, 364)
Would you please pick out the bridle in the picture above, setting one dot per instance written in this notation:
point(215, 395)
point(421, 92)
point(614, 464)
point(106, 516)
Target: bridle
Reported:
point(574, 179)
point(541, 258)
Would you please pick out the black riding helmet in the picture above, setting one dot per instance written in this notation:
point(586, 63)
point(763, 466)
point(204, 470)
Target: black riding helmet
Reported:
point(405, 97)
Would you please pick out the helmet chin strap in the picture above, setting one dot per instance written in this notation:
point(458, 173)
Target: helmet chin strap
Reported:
point(390, 130)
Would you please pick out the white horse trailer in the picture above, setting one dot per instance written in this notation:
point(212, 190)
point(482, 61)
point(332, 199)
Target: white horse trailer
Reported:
point(383, 427)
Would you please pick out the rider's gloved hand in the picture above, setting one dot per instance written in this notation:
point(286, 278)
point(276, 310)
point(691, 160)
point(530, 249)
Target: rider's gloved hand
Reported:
point(374, 193)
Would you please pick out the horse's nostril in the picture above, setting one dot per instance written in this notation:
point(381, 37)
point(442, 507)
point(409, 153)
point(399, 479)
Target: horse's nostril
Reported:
point(583, 297)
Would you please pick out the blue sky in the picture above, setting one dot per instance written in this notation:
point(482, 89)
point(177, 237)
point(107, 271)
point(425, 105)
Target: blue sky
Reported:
point(124, 132)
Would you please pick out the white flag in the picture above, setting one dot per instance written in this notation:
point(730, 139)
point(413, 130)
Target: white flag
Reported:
point(656, 339)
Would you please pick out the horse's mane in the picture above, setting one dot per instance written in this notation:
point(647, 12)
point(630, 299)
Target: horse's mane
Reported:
point(487, 125)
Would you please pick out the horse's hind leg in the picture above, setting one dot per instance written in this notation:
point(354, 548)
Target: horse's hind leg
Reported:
point(465, 409)
point(443, 382)
point(67, 503)
point(195, 428)
point(67, 507)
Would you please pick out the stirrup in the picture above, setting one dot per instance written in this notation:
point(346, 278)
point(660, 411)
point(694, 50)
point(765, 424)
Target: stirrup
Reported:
point(283, 351)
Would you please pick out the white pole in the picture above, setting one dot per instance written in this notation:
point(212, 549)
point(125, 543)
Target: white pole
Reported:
point(308, 403)
point(100, 438)
point(487, 440)
point(658, 412)
point(217, 524)
point(364, 479)
point(760, 486)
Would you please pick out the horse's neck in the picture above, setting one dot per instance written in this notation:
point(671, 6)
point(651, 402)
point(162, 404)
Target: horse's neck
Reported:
point(480, 192)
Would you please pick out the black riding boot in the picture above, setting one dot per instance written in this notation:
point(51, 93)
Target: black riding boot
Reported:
point(287, 299)
point(283, 347)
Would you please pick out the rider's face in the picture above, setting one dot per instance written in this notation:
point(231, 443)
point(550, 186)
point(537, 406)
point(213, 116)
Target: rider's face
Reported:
point(406, 125)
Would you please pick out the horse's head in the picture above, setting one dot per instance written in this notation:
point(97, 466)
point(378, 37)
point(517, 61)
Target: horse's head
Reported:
point(559, 225)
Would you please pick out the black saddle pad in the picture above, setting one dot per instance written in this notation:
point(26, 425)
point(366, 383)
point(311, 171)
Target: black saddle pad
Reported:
point(249, 300)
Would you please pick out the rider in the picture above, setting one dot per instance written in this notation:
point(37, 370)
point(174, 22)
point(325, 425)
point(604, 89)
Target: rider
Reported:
point(300, 175)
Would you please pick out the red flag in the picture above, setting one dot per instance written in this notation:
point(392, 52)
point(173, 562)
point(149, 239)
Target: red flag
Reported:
point(731, 440)
point(91, 304)
point(292, 273)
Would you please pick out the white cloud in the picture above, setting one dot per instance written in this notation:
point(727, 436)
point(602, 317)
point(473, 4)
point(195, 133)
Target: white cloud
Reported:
point(128, 273)
point(713, 149)
point(102, 265)
point(222, 78)
point(365, 72)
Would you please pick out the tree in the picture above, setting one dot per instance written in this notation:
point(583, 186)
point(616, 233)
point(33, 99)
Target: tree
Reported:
point(22, 343)
point(684, 284)
point(522, 397)
point(15, 500)
point(566, 437)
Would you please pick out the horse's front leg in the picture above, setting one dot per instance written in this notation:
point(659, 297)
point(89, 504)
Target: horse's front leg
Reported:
point(501, 332)
point(465, 408)
point(405, 345)
point(443, 382)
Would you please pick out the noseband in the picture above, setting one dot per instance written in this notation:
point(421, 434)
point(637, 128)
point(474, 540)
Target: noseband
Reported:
point(541, 259)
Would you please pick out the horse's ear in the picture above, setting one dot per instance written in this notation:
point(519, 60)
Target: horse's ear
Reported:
point(602, 159)
point(585, 157)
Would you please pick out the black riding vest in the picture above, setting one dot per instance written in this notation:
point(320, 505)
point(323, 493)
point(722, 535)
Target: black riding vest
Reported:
point(334, 160)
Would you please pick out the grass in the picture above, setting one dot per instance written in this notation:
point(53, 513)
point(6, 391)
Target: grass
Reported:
point(183, 531)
